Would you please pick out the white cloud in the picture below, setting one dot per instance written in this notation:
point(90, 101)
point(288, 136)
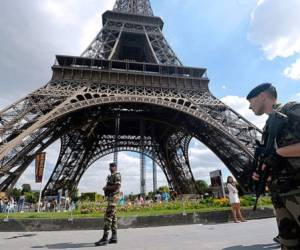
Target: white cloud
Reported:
point(259, 2)
point(70, 13)
point(295, 97)
point(293, 71)
point(60, 11)
point(275, 27)
point(203, 161)
point(89, 31)
point(28, 176)
point(93, 25)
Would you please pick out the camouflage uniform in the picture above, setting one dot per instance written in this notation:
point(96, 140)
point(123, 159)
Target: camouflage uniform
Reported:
point(285, 185)
point(110, 219)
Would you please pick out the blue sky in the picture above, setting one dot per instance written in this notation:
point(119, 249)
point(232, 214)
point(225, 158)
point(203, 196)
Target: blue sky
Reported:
point(222, 37)
point(241, 43)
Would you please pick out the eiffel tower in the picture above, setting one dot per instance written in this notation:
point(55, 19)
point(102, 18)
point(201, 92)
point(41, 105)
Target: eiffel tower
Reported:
point(128, 91)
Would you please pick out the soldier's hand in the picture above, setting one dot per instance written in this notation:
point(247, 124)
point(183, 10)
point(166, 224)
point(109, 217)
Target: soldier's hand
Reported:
point(264, 166)
point(255, 176)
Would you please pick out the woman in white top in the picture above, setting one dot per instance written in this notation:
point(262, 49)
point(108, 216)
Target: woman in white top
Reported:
point(234, 200)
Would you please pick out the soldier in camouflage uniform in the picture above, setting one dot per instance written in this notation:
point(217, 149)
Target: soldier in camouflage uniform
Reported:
point(284, 183)
point(111, 191)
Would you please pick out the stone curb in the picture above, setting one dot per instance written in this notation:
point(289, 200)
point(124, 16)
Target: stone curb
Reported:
point(29, 225)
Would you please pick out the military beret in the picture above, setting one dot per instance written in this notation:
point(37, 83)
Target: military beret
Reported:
point(258, 89)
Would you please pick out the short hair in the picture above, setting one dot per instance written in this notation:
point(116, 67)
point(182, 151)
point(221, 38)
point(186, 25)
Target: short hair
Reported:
point(271, 92)
point(112, 164)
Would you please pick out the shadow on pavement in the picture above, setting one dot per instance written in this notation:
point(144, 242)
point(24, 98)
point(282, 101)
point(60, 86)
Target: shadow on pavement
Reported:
point(68, 245)
point(20, 236)
point(273, 246)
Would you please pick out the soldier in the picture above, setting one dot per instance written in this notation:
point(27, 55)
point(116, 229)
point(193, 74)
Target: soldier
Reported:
point(284, 182)
point(111, 191)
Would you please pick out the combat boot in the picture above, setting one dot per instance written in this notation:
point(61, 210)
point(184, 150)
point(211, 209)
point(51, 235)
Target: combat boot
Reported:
point(113, 238)
point(103, 241)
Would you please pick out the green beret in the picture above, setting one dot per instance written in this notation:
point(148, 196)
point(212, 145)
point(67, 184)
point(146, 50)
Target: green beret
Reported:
point(258, 89)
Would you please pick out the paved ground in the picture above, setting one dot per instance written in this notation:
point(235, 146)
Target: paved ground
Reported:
point(251, 235)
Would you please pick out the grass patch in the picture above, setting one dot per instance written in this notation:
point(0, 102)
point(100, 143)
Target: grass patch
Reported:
point(77, 214)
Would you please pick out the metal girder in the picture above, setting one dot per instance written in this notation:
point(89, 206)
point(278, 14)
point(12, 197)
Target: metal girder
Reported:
point(176, 155)
point(11, 178)
point(140, 7)
point(103, 44)
point(161, 48)
point(106, 42)
point(142, 159)
point(213, 113)
point(69, 168)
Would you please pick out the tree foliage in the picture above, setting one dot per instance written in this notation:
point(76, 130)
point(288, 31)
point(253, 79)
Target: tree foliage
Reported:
point(15, 192)
point(89, 196)
point(31, 197)
point(26, 188)
point(202, 186)
point(164, 189)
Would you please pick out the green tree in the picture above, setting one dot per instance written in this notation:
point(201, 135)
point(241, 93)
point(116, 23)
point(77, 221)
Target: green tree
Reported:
point(131, 196)
point(202, 186)
point(26, 188)
point(74, 195)
point(100, 197)
point(164, 189)
point(89, 196)
point(15, 193)
point(151, 195)
point(31, 197)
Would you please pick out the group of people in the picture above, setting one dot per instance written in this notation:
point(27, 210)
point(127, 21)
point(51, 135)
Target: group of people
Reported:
point(141, 200)
point(13, 204)
point(283, 164)
point(7, 205)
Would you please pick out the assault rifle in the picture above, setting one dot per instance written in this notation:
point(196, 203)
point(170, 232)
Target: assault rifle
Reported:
point(110, 189)
point(268, 149)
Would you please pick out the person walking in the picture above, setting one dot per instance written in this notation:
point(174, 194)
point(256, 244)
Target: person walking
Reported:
point(21, 202)
point(111, 192)
point(234, 200)
point(283, 164)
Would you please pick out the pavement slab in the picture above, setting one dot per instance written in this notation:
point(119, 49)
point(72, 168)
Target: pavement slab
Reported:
point(251, 235)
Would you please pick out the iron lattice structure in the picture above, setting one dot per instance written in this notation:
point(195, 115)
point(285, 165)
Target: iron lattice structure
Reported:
point(127, 77)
